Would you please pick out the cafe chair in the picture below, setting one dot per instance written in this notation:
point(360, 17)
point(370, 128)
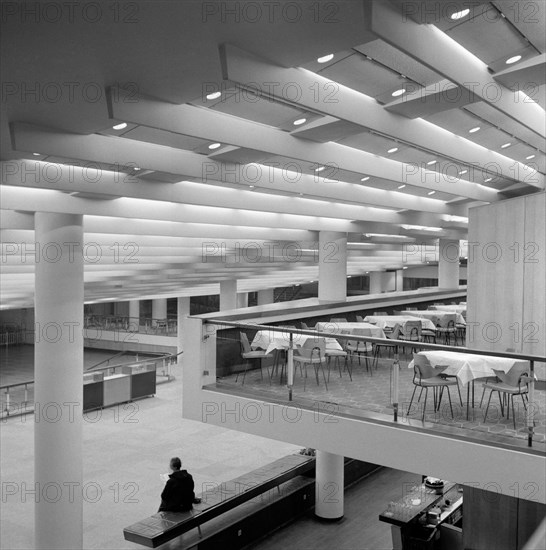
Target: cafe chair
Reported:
point(460, 333)
point(493, 378)
point(338, 355)
point(305, 326)
point(410, 331)
point(391, 333)
point(508, 392)
point(359, 347)
point(425, 377)
point(359, 319)
point(249, 355)
point(338, 320)
point(312, 352)
point(446, 329)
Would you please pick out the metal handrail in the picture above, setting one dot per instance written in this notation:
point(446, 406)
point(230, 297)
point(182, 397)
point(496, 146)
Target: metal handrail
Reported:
point(373, 339)
point(396, 365)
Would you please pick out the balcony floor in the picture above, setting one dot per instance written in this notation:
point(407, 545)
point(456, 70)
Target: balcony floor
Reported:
point(370, 392)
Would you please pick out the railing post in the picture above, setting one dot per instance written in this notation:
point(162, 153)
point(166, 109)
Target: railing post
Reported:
point(26, 394)
point(531, 405)
point(7, 401)
point(395, 384)
point(290, 366)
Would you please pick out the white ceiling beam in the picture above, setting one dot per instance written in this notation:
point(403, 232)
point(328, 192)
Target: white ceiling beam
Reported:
point(218, 127)
point(356, 108)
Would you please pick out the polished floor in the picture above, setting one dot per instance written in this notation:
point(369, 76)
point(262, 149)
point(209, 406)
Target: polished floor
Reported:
point(125, 450)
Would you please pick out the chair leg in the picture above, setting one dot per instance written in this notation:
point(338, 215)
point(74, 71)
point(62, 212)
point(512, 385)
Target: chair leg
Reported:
point(411, 400)
point(513, 411)
point(425, 405)
point(349, 368)
point(487, 408)
point(449, 397)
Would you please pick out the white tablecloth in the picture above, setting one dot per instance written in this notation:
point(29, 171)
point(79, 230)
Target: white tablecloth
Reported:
point(467, 367)
point(374, 330)
point(451, 308)
point(390, 321)
point(270, 340)
point(438, 316)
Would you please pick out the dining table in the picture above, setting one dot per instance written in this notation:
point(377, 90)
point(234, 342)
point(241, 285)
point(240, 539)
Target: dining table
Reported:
point(454, 308)
point(344, 328)
point(468, 367)
point(390, 321)
point(438, 317)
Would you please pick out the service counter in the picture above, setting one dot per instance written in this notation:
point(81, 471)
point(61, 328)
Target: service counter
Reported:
point(129, 383)
point(427, 518)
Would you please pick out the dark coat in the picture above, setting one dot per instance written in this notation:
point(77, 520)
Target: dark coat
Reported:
point(178, 495)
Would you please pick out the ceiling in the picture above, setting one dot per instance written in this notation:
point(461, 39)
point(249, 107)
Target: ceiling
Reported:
point(165, 214)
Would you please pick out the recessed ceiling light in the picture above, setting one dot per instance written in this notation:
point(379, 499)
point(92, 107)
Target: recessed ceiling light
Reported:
point(402, 186)
point(320, 168)
point(431, 162)
point(460, 14)
point(487, 179)
point(326, 58)
point(251, 186)
point(405, 267)
point(366, 178)
point(475, 129)
point(38, 154)
point(513, 59)
point(214, 145)
point(399, 92)
point(393, 150)
point(137, 169)
point(431, 192)
point(214, 95)
point(462, 172)
point(120, 126)
point(526, 158)
point(301, 194)
point(299, 121)
point(505, 145)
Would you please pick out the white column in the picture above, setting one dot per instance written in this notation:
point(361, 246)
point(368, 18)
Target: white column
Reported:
point(448, 263)
point(329, 486)
point(228, 294)
point(159, 309)
point(58, 386)
point(266, 296)
point(332, 266)
point(182, 311)
point(242, 299)
point(376, 282)
point(399, 286)
point(134, 313)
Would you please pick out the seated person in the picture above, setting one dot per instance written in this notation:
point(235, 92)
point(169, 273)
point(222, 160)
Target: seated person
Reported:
point(178, 495)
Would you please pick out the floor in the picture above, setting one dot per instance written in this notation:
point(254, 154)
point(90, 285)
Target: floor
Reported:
point(125, 450)
point(371, 390)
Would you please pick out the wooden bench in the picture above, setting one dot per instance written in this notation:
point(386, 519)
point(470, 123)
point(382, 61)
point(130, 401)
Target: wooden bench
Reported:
point(166, 526)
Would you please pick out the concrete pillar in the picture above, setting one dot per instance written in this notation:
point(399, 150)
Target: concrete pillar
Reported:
point(329, 487)
point(242, 299)
point(182, 311)
point(134, 313)
point(448, 263)
point(266, 296)
point(332, 266)
point(159, 308)
point(228, 294)
point(376, 282)
point(58, 387)
point(399, 283)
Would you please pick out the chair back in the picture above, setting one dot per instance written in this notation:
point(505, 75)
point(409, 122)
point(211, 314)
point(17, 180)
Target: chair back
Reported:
point(312, 348)
point(412, 330)
point(447, 320)
point(245, 344)
point(422, 367)
point(338, 320)
point(359, 319)
point(359, 344)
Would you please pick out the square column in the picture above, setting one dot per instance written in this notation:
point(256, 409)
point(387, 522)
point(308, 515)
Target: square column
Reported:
point(228, 294)
point(448, 263)
point(332, 266)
